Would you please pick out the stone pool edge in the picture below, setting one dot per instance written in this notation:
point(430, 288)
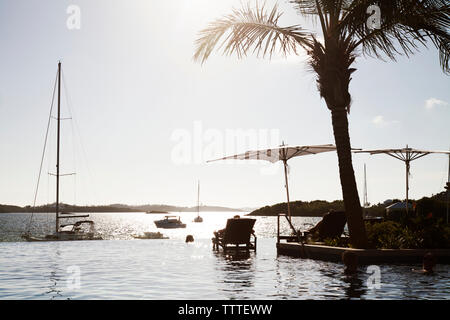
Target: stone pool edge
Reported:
point(365, 256)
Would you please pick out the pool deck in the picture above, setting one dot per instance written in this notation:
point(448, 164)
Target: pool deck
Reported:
point(365, 256)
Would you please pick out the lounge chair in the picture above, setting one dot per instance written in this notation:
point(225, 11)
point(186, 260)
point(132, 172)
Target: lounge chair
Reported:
point(331, 226)
point(236, 235)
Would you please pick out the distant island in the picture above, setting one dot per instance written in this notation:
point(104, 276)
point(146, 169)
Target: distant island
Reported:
point(315, 208)
point(318, 208)
point(116, 208)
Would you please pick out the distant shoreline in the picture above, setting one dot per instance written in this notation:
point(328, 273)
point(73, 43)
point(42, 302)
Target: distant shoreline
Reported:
point(115, 208)
point(319, 215)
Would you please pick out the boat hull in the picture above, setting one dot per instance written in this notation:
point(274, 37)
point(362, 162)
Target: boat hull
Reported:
point(165, 225)
point(151, 235)
point(62, 237)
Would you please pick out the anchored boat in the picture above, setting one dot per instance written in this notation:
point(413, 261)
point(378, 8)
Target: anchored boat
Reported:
point(170, 222)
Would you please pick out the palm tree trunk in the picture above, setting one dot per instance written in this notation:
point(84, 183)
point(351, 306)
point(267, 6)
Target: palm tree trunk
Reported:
point(353, 210)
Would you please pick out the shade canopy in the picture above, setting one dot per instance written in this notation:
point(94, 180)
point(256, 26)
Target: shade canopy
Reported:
point(404, 154)
point(282, 153)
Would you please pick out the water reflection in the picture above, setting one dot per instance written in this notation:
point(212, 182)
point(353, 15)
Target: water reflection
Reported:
point(355, 287)
point(54, 278)
point(236, 273)
point(350, 286)
point(234, 256)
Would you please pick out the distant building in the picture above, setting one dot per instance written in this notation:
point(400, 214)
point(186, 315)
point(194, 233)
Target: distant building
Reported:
point(396, 210)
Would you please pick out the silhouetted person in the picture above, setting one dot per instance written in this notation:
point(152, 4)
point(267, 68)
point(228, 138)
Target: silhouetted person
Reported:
point(429, 262)
point(350, 260)
point(189, 238)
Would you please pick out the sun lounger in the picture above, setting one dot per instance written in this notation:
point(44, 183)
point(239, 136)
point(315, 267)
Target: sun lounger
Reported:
point(331, 226)
point(237, 235)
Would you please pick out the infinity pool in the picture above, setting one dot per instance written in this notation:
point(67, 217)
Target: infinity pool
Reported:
point(121, 268)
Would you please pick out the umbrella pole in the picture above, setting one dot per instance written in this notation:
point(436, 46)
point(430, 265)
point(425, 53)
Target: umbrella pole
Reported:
point(287, 188)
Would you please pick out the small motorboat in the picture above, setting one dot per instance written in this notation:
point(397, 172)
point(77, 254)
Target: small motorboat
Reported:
point(170, 222)
point(151, 235)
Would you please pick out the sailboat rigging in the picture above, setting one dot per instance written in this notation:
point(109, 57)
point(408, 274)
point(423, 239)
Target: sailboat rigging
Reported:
point(198, 218)
point(80, 230)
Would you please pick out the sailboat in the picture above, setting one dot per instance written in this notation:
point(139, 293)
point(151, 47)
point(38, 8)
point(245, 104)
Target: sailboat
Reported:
point(198, 218)
point(79, 230)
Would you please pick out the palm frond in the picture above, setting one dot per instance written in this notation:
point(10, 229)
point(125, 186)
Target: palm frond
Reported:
point(405, 25)
point(327, 10)
point(310, 7)
point(249, 28)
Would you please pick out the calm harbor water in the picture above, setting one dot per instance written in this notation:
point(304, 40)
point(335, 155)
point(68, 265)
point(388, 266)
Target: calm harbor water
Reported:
point(122, 267)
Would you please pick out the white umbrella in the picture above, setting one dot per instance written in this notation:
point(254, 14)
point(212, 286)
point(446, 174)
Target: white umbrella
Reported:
point(281, 153)
point(406, 155)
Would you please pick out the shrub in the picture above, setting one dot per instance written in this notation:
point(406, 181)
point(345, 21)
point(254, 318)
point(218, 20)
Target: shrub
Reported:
point(383, 234)
point(431, 207)
point(415, 233)
point(337, 242)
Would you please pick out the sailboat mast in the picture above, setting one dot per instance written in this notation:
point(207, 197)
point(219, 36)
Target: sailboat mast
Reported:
point(57, 146)
point(198, 199)
point(365, 202)
point(365, 186)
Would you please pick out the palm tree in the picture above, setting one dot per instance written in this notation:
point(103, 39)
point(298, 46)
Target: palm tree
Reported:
point(404, 25)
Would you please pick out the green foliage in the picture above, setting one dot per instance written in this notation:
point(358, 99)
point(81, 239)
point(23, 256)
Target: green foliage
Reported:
point(337, 242)
point(383, 235)
point(416, 233)
point(425, 206)
point(315, 208)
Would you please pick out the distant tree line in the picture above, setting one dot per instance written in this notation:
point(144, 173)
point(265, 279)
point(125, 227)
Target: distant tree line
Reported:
point(315, 208)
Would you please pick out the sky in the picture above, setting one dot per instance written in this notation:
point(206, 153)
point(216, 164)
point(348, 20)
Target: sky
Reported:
point(146, 117)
